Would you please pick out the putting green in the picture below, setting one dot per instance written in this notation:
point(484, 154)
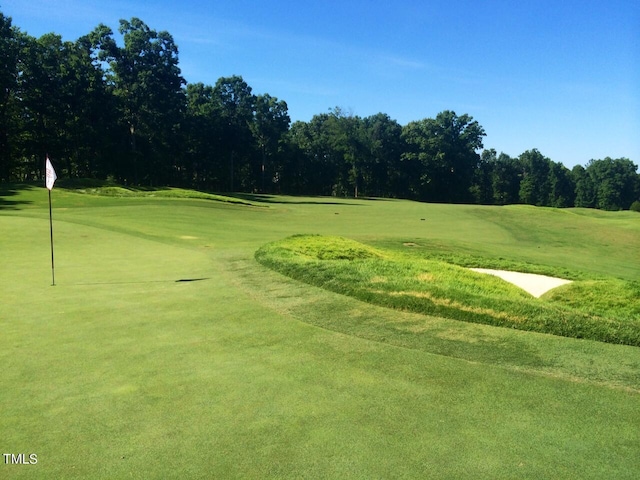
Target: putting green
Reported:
point(124, 371)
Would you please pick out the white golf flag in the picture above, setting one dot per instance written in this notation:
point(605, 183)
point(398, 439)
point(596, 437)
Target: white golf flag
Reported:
point(50, 174)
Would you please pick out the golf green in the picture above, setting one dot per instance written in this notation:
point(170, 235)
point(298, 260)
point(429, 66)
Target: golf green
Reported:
point(165, 350)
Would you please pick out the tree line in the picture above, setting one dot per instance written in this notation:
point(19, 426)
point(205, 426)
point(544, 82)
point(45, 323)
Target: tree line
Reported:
point(125, 113)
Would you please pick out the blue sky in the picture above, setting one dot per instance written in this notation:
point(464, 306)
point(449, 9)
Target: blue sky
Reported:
point(562, 76)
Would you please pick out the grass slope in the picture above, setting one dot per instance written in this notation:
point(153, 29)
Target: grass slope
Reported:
point(117, 191)
point(123, 371)
point(605, 310)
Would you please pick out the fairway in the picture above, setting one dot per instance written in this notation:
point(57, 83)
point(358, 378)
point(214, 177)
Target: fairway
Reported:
point(166, 350)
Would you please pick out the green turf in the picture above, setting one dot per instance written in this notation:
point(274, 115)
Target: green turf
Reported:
point(123, 371)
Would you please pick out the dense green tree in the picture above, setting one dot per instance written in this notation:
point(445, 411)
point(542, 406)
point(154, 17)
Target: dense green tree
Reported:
point(561, 186)
point(505, 181)
point(202, 165)
point(294, 175)
point(535, 188)
point(482, 186)
point(320, 165)
point(58, 105)
point(236, 106)
point(343, 154)
point(270, 123)
point(11, 44)
point(585, 191)
point(382, 171)
point(147, 82)
point(88, 112)
point(418, 161)
point(348, 142)
point(614, 182)
point(446, 147)
point(42, 104)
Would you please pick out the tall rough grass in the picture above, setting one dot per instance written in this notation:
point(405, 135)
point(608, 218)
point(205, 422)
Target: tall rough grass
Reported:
point(603, 310)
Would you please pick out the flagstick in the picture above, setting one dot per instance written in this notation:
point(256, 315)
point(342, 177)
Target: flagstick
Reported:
point(53, 275)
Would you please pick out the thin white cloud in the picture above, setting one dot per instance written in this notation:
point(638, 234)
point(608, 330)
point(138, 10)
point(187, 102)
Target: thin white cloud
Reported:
point(403, 62)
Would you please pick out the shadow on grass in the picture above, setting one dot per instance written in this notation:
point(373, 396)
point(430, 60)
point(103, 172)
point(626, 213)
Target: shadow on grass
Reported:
point(10, 190)
point(141, 282)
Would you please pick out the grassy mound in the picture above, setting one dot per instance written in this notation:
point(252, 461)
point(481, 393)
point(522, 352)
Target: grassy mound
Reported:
point(163, 192)
point(603, 310)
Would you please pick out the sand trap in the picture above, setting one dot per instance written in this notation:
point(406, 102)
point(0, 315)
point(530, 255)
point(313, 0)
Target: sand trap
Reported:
point(536, 285)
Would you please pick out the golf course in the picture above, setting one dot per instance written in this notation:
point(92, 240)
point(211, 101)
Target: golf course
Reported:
point(191, 335)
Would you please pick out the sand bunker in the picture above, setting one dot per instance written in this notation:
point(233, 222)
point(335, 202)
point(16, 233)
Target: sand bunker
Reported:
point(536, 285)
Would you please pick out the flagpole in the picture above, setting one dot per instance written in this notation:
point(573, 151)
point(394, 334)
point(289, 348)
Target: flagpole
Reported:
point(50, 179)
point(53, 275)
